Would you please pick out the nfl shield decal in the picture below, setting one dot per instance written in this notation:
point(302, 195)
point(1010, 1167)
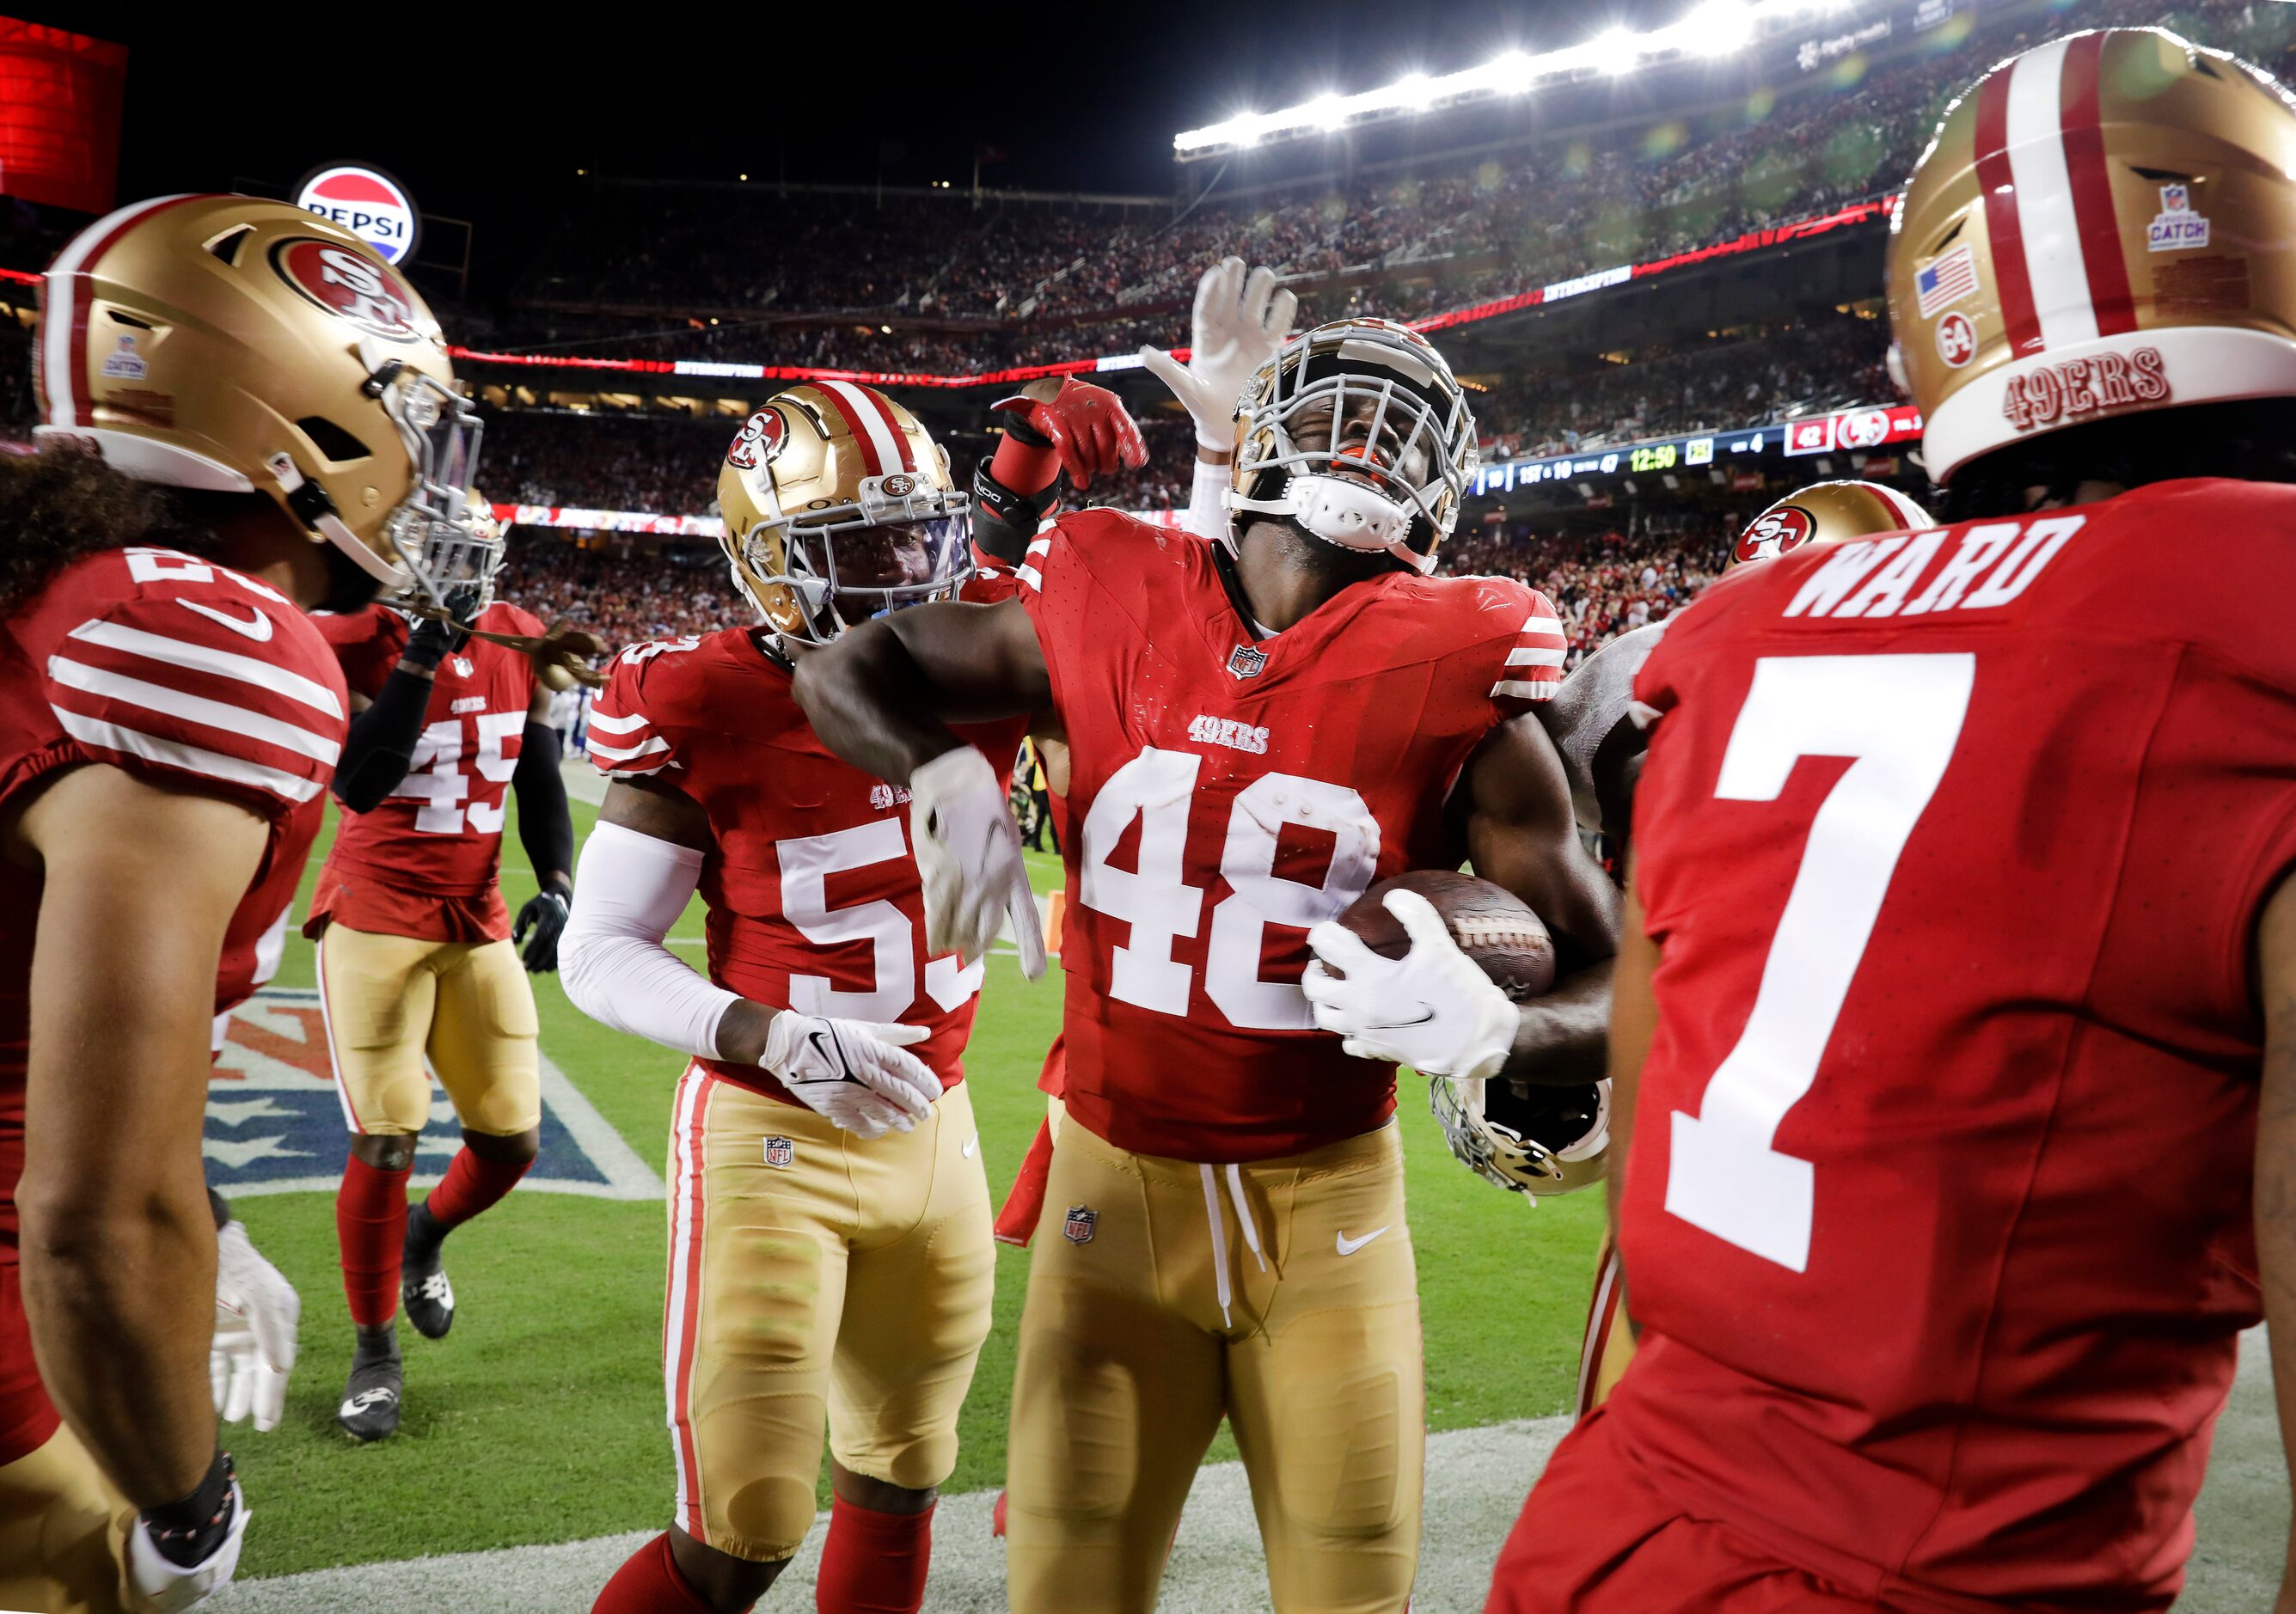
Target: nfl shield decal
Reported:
point(780, 1153)
point(1245, 662)
point(1081, 1220)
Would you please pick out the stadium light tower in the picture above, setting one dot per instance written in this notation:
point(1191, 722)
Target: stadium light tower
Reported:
point(1713, 28)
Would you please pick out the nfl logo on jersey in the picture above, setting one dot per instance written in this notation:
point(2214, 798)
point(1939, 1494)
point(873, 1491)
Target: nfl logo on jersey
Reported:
point(1077, 1228)
point(1246, 662)
point(781, 1152)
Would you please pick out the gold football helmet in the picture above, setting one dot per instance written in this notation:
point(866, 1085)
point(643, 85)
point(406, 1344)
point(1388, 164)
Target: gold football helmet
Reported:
point(1544, 1142)
point(1297, 455)
point(836, 498)
point(2098, 227)
point(236, 345)
point(1824, 513)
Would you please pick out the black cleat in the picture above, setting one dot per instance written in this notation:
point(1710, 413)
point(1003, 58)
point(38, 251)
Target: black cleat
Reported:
point(424, 1290)
point(370, 1408)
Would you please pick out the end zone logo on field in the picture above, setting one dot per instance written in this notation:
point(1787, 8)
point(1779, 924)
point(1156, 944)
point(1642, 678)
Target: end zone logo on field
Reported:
point(368, 202)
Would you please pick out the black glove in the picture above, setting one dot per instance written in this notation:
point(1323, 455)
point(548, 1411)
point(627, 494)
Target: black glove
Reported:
point(545, 914)
point(433, 641)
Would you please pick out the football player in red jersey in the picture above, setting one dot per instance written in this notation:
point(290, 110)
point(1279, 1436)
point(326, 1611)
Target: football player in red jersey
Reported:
point(1508, 1133)
point(168, 720)
point(1257, 728)
point(1957, 1023)
point(831, 1261)
point(416, 953)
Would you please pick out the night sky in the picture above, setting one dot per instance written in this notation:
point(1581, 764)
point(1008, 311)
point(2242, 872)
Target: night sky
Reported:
point(502, 105)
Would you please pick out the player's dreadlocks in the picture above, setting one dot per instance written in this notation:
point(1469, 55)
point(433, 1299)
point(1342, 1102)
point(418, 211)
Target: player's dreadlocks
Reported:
point(2251, 440)
point(63, 504)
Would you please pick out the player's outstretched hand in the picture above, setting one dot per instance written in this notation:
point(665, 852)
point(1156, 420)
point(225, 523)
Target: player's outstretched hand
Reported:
point(969, 857)
point(544, 915)
point(1087, 426)
point(1432, 1008)
point(254, 1350)
point(858, 1073)
point(1240, 323)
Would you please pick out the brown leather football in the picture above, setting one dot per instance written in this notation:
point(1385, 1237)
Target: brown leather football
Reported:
point(1492, 926)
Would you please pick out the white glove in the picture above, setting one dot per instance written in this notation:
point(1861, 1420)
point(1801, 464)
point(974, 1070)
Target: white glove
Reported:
point(164, 1586)
point(1432, 1008)
point(969, 855)
point(1239, 324)
point(858, 1073)
point(254, 1348)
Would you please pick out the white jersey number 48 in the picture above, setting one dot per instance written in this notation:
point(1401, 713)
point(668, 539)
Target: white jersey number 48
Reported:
point(1898, 717)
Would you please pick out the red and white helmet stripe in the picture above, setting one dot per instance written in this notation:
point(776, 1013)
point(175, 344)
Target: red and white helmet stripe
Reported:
point(884, 446)
point(66, 296)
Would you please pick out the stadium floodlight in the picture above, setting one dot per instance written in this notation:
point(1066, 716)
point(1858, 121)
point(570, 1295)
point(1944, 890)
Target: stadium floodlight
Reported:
point(1713, 28)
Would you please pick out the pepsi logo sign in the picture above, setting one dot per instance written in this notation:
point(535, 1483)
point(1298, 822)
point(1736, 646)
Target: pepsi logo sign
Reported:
point(757, 442)
point(368, 202)
point(349, 286)
point(1776, 532)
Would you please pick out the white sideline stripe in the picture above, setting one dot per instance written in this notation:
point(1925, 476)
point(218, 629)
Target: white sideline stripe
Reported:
point(629, 753)
point(207, 659)
point(190, 759)
point(220, 715)
point(2054, 262)
point(1476, 1481)
point(606, 723)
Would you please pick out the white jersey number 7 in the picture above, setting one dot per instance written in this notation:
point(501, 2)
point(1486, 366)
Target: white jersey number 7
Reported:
point(1899, 717)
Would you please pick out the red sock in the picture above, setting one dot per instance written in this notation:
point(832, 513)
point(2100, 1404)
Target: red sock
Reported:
point(874, 1563)
point(472, 1183)
point(370, 1226)
point(649, 1584)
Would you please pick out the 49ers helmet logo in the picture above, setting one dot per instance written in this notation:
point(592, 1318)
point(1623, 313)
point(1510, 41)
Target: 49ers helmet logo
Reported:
point(349, 286)
point(759, 440)
point(1775, 533)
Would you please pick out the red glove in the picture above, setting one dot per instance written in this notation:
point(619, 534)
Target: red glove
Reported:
point(1088, 432)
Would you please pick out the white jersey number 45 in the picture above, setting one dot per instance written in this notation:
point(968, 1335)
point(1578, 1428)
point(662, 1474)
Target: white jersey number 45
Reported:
point(1898, 717)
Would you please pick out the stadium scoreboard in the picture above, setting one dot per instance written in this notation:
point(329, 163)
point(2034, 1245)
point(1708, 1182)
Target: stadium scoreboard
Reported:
point(1845, 430)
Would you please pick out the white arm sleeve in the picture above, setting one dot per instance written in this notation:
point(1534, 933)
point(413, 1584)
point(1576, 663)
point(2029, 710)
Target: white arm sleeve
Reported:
point(1207, 515)
point(630, 890)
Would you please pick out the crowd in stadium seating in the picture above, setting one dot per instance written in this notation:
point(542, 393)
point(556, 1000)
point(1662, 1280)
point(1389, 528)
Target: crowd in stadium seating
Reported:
point(1603, 586)
point(1494, 227)
point(662, 464)
point(624, 596)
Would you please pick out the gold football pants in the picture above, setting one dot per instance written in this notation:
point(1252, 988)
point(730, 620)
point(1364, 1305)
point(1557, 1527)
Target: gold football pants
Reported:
point(816, 1277)
point(63, 1533)
point(388, 1000)
point(1608, 1344)
point(1128, 1361)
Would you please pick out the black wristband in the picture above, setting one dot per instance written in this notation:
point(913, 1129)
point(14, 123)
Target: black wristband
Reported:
point(1023, 512)
point(185, 1531)
point(1021, 432)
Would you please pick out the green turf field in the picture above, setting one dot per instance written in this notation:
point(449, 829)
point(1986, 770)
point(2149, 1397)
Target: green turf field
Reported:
point(539, 1418)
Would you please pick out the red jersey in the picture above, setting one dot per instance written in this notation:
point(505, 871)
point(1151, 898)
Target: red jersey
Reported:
point(427, 861)
point(815, 900)
point(1937, 1222)
point(193, 678)
point(1229, 792)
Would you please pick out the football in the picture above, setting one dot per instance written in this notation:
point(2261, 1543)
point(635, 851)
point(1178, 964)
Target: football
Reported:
point(1492, 926)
